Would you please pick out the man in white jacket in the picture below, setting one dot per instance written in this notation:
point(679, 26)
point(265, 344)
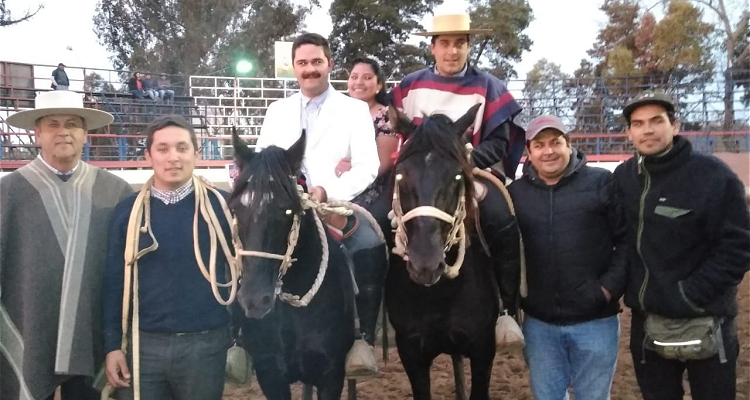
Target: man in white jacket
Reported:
point(336, 127)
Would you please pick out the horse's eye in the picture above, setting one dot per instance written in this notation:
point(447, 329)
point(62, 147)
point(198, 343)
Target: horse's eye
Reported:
point(458, 177)
point(288, 212)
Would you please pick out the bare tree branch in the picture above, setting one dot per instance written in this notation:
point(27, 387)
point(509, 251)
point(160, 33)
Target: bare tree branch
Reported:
point(5, 17)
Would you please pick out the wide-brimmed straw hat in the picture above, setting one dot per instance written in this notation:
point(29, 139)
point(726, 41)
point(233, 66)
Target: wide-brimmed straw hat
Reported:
point(452, 24)
point(59, 102)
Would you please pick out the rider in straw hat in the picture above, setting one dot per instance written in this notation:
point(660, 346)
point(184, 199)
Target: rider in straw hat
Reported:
point(451, 87)
point(53, 237)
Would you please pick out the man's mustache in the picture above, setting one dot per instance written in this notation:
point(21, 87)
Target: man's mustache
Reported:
point(314, 74)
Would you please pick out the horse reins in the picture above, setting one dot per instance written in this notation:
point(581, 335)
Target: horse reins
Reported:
point(320, 209)
point(141, 215)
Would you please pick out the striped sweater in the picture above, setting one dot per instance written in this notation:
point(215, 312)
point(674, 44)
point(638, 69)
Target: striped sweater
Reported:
point(424, 93)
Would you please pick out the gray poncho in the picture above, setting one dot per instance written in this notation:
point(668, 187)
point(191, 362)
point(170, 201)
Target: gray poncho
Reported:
point(53, 246)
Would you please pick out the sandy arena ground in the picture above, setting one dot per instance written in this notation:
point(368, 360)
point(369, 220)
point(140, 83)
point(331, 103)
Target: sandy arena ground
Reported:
point(510, 377)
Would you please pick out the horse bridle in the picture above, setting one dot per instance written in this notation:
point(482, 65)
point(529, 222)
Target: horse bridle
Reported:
point(456, 234)
point(286, 259)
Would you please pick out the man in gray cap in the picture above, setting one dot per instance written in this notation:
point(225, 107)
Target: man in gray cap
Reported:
point(574, 237)
point(54, 213)
point(689, 248)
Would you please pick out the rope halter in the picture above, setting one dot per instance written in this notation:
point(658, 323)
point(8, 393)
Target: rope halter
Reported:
point(456, 234)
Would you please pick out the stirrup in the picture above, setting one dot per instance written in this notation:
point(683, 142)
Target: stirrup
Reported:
point(360, 361)
point(508, 335)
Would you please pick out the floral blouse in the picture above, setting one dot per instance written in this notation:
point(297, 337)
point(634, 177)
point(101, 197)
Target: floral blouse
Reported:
point(382, 182)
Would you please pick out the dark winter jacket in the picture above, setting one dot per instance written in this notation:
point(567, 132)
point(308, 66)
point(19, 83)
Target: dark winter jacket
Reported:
point(689, 227)
point(573, 235)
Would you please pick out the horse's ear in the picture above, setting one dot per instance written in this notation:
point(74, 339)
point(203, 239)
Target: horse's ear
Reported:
point(400, 123)
point(296, 152)
point(467, 120)
point(242, 152)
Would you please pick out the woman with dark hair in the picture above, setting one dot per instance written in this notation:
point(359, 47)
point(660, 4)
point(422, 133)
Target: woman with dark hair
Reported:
point(366, 83)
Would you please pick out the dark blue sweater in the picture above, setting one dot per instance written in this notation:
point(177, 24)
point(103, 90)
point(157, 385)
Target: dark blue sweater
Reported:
point(173, 294)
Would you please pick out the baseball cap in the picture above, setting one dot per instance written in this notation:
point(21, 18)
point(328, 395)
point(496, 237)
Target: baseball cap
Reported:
point(543, 122)
point(651, 96)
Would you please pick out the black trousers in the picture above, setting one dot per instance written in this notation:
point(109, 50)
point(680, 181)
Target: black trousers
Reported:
point(661, 379)
point(78, 388)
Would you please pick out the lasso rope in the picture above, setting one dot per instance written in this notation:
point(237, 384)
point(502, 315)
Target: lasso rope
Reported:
point(141, 215)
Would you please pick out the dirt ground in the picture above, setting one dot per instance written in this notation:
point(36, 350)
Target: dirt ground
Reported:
point(510, 376)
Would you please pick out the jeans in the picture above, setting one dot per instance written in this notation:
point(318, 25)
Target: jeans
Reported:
point(78, 388)
point(62, 87)
point(582, 355)
point(365, 237)
point(166, 94)
point(661, 379)
point(181, 366)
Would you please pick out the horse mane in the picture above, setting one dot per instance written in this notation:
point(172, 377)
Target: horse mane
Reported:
point(437, 134)
point(268, 172)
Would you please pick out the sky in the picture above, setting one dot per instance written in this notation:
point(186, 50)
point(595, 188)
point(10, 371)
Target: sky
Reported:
point(560, 33)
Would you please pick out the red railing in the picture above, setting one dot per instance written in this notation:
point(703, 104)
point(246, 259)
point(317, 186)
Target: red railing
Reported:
point(121, 152)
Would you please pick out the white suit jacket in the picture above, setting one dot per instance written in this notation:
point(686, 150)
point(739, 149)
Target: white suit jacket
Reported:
point(343, 128)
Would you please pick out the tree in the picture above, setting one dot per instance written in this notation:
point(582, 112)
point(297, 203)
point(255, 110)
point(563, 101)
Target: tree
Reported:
point(732, 35)
point(184, 37)
point(498, 51)
point(621, 30)
point(6, 19)
point(544, 89)
point(94, 82)
point(741, 73)
point(379, 29)
point(633, 52)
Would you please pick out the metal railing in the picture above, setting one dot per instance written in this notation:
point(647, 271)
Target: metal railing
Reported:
point(123, 151)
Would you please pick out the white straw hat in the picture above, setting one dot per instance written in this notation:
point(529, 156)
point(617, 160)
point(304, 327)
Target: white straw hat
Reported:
point(59, 102)
point(452, 24)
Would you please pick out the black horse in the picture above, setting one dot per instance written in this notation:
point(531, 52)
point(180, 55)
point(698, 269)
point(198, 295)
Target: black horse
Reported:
point(433, 314)
point(288, 343)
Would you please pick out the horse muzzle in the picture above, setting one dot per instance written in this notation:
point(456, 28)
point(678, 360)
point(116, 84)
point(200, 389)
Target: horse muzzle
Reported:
point(425, 276)
point(257, 307)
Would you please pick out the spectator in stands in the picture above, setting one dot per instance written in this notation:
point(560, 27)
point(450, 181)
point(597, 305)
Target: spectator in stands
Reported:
point(163, 85)
point(689, 233)
point(574, 239)
point(60, 79)
point(337, 126)
point(150, 88)
point(135, 85)
point(53, 244)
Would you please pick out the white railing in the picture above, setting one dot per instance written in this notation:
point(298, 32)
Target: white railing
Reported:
point(241, 102)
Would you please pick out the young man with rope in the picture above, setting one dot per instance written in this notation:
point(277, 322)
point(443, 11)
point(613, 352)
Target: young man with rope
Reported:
point(168, 252)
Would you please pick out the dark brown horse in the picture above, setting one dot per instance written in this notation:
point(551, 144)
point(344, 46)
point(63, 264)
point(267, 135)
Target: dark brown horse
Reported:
point(282, 256)
point(433, 310)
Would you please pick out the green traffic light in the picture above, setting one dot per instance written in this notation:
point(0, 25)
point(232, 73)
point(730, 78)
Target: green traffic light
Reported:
point(244, 67)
